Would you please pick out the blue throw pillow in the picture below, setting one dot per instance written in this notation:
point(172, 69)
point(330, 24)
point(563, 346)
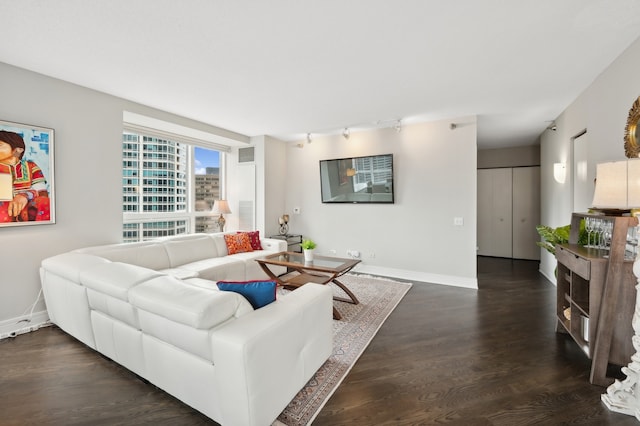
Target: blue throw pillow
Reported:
point(258, 293)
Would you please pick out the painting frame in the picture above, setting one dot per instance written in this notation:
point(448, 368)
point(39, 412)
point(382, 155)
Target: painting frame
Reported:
point(29, 175)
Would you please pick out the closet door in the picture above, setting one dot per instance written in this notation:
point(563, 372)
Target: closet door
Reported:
point(526, 212)
point(494, 212)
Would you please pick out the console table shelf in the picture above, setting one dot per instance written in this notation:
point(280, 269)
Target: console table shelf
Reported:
point(596, 297)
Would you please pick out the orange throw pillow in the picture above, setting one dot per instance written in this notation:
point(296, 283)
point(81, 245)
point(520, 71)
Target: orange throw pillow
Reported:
point(237, 243)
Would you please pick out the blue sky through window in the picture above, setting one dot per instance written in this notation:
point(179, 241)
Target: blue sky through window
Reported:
point(206, 158)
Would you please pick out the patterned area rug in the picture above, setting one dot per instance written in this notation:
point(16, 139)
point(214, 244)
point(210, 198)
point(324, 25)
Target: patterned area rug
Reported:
point(378, 298)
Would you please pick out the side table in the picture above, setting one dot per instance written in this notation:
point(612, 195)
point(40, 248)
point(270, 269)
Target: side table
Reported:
point(293, 241)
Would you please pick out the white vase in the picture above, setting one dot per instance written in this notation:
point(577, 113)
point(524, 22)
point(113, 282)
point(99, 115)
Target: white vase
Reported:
point(308, 255)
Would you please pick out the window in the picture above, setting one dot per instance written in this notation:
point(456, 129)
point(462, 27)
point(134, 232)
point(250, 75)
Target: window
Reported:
point(168, 186)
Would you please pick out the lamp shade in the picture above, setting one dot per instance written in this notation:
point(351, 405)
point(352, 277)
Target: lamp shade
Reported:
point(617, 185)
point(221, 206)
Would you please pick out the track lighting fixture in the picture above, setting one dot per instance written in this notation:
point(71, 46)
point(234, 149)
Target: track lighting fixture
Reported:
point(308, 137)
point(398, 126)
point(346, 133)
point(552, 126)
point(452, 126)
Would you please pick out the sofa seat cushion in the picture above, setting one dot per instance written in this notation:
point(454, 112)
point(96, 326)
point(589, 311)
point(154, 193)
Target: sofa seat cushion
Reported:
point(187, 304)
point(180, 273)
point(218, 268)
point(253, 271)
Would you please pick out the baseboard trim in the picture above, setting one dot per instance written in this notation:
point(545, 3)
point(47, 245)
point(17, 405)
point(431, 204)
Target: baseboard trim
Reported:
point(404, 274)
point(24, 324)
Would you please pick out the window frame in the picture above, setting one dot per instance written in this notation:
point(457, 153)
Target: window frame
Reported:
point(190, 214)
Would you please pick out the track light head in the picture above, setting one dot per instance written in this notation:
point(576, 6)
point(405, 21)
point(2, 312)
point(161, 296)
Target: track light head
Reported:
point(346, 133)
point(308, 137)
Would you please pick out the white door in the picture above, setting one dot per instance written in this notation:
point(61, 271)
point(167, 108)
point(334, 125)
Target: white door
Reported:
point(526, 212)
point(495, 212)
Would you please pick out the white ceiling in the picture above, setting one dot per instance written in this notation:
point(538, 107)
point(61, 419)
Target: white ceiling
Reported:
point(288, 67)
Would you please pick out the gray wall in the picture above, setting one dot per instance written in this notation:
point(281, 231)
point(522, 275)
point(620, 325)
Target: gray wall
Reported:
point(88, 168)
point(602, 111)
point(415, 238)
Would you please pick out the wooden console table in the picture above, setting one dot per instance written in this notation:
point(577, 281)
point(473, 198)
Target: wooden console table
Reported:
point(596, 297)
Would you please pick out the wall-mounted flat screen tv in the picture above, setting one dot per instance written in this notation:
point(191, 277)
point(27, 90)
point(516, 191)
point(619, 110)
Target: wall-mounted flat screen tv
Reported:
point(357, 179)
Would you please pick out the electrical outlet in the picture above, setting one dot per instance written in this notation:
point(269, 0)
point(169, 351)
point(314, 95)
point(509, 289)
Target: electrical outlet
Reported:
point(332, 251)
point(372, 255)
point(353, 253)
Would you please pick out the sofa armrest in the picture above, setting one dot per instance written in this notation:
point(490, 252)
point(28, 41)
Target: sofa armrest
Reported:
point(273, 244)
point(263, 359)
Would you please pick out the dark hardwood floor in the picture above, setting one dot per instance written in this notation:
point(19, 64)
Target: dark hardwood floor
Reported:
point(446, 355)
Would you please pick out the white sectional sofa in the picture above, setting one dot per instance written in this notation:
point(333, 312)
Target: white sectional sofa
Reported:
point(154, 308)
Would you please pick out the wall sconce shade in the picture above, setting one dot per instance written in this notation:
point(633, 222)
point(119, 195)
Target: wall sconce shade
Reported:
point(617, 185)
point(351, 172)
point(560, 172)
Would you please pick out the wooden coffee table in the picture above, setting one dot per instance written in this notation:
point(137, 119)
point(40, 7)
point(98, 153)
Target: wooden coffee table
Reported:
point(323, 270)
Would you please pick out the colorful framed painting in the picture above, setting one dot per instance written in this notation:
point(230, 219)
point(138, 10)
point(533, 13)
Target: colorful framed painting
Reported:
point(27, 194)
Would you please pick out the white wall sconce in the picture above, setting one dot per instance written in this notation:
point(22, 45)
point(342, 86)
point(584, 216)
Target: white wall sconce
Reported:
point(560, 172)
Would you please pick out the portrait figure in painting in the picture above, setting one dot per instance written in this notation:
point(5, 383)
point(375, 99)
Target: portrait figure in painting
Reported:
point(23, 188)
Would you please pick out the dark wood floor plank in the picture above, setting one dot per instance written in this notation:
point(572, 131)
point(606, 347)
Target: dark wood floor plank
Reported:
point(446, 355)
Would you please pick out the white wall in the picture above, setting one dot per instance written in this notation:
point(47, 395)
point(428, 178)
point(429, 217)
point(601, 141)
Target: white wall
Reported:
point(88, 187)
point(602, 110)
point(435, 181)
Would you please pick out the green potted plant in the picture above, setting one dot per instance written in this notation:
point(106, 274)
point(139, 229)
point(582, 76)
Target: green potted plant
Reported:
point(308, 246)
point(560, 235)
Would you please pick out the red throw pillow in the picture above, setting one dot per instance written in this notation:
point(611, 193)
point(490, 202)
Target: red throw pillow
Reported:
point(237, 243)
point(254, 238)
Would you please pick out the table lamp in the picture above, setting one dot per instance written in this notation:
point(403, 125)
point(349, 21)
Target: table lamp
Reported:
point(221, 207)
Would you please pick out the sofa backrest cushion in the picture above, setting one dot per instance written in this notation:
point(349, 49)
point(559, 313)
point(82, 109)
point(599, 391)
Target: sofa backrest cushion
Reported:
point(183, 251)
point(150, 255)
point(178, 301)
point(221, 244)
point(115, 278)
point(70, 265)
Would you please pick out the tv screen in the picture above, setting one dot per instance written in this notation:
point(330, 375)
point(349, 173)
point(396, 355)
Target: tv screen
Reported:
point(357, 179)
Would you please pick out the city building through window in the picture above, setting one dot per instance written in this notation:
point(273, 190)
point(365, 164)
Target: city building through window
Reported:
point(168, 186)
